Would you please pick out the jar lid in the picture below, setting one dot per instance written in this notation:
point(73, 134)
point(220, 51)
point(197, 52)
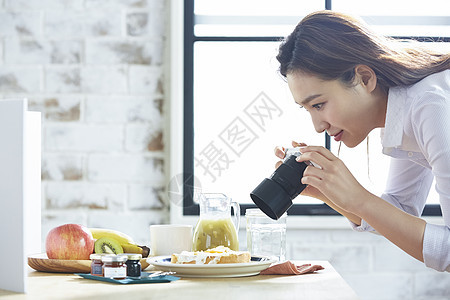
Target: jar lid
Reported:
point(114, 258)
point(133, 256)
point(95, 256)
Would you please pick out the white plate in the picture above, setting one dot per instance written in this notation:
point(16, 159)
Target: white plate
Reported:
point(256, 265)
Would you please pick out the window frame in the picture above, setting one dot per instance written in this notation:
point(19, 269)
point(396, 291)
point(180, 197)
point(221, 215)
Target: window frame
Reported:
point(189, 207)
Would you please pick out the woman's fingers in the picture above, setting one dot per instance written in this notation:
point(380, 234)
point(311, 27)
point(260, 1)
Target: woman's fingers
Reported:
point(280, 152)
point(317, 159)
point(278, 164)
point(334, 180)
point(312, 171)
point(296, 144)
point(314, 153)
point(313, 181)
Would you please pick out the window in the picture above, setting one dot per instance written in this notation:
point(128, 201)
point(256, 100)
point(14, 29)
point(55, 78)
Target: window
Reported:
point(237, 108)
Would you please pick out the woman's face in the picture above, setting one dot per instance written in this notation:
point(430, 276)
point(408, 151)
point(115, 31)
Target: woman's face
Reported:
point(346, 113)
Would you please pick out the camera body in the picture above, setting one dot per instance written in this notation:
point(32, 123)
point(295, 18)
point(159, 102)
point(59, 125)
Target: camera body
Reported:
point(274, 195)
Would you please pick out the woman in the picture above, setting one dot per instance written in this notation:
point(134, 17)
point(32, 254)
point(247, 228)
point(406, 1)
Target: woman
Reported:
point(352, 81)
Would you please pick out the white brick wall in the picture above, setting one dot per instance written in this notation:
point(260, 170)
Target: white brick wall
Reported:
point(95, 71)
point(41, 51)
point(58, 107)
point(136, 110)
point(20, 79)
point(18, 5)
point(83, 138)
point(141, 79)
point(83, 23)
point(60, 167)
point(94, 68)
point(20, 23)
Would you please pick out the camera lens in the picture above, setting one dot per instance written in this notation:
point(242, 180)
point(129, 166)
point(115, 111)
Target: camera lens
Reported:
point(274, 195)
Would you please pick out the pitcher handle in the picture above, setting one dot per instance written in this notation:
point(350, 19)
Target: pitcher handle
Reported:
point(237, 214)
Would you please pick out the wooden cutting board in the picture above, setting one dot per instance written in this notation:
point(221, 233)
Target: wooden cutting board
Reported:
point(40, 262)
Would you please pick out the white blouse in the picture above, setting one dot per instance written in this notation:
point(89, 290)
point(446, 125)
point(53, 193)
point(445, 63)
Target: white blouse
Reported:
point(417, 137)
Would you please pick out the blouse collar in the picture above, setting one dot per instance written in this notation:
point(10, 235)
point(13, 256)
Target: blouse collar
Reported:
point(392, 134)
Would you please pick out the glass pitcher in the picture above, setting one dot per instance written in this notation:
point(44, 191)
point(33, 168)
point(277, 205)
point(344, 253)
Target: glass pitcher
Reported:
point(214, 227)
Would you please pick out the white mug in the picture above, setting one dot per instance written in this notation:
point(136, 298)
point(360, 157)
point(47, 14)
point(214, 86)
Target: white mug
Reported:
point(167, 239)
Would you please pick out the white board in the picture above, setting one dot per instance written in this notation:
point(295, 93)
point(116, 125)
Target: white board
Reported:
point(20, 191)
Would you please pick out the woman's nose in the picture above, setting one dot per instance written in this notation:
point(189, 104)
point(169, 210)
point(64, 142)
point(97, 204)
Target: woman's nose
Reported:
point(320, 125)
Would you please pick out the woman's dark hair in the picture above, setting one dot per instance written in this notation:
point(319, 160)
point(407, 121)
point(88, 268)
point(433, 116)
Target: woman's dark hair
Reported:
point(330, 45)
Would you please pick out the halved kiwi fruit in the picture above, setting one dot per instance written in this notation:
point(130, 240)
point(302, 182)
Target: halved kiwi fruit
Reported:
point(106, 245)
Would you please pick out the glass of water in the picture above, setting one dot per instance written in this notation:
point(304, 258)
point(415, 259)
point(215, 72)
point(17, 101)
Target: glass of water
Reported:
point(265, 236)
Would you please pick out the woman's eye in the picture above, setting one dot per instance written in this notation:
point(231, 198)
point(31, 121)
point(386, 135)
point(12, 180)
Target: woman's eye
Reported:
point(318, 106)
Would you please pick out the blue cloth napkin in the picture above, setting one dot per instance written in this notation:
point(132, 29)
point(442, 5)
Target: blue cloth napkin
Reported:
point(143, 279)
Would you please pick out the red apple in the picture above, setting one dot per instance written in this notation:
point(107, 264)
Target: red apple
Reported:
point(69, 241)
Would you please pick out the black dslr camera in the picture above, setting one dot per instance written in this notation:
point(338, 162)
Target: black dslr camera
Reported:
point(274, 195)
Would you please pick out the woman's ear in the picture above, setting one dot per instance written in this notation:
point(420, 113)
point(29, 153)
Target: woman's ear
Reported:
point(367, 77)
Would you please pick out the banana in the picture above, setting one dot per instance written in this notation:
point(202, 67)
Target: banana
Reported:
point(121, 237)
point(127, 243)
point(131, 248)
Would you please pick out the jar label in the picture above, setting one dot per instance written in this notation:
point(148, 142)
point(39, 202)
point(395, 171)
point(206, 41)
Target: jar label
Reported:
point(120, 272)
point(96, 269)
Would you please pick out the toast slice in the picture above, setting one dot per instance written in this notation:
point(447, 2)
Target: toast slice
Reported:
point(218, 255)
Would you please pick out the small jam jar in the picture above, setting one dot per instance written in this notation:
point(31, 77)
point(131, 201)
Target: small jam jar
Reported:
point(96, 264)
point(114, 266)
point(134, 265)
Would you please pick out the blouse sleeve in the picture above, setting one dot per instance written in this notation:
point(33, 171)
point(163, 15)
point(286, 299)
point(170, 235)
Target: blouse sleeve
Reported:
point(407, 188)
point(431, 126)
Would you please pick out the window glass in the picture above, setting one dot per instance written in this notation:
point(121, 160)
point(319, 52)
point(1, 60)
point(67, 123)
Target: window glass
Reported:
point(243, 109)
point(250, 17)
point(392, 8)
point(256, 7)
point(245, 30)
point(400, 18)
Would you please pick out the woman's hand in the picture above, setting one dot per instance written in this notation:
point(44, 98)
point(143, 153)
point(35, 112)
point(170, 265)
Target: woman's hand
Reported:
point(280, 152)
point(312, 189)
point(309, 191)
point(333, 180)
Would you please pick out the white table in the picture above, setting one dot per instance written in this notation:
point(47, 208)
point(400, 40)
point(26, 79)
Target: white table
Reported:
point(322, 285)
